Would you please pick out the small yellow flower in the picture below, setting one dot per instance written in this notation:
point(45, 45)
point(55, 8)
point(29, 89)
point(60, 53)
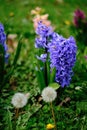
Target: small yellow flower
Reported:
point(50, 126)
point(11, 14)
point(67, 22)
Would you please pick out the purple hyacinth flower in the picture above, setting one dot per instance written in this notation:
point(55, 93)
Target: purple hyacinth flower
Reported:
point(79, 15)
point(62, 57)
point(3, 41)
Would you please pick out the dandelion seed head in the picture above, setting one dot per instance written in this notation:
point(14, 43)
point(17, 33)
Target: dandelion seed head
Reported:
point(49, 94)
point(19, 100)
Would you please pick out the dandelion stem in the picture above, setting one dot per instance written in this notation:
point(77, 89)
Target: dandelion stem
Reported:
point(17, 113)
point(53, 115)
point(16, 116)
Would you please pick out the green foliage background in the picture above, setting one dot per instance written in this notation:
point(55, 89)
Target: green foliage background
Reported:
point(72, 115)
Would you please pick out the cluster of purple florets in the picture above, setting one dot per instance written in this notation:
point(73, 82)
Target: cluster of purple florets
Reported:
point(62, 52)
point(44, 34)
point(3, 41)
point(62, 57)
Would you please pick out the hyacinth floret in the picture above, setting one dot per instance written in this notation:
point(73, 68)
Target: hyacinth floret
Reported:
point(42, 57)
point(3, 41)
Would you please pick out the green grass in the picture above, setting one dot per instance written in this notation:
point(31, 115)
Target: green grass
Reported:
point(58, 13)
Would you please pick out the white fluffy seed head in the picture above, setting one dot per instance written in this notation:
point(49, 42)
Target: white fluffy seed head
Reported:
point(49, 94)
point(19, 100)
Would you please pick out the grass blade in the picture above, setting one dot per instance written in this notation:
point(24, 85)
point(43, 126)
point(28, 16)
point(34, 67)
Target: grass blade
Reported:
point(18, 50)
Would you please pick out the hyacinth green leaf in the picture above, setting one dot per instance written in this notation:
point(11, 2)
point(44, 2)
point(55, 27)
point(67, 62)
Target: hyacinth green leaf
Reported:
point(17, 54)
point(41, 79)
point(54, 85)
point(52, 75)
point(48, 72)
point(7, 76)
point(2, 63)
point(18, 50)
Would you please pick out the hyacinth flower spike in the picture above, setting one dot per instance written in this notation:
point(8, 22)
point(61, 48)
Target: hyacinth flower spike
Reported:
point(62, 57)
point(41, 42)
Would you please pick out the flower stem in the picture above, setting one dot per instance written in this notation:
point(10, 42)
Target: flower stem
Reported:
point(15, 118)
point(46, 78)
point(46, 74)
point(53, 115)
point(17, 113)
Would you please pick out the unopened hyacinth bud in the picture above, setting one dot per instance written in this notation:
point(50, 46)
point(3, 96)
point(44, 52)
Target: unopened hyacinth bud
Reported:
point(19, 100)
point(3, 41)
point(49, 94)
